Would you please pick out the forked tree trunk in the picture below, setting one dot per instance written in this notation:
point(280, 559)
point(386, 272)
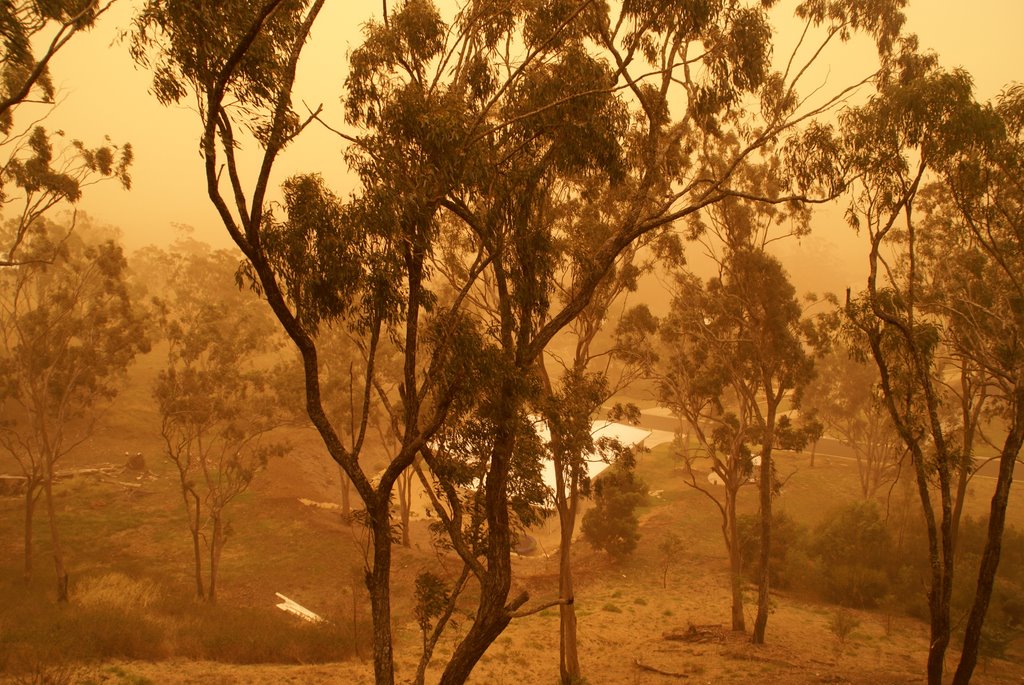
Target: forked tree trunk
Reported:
point(492, 616)
point(405, 503)
point(940, 585)
point(491, 619)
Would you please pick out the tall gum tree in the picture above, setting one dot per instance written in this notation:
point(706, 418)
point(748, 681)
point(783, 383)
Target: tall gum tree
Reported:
point(68, 331)
point(472, 119)
point(924, 127)
point(218, 403)
point(361, 265)
point(665, 178)
point(729, 353)
point(844, 396)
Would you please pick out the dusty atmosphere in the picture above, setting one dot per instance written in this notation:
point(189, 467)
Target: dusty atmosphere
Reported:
point(562, 341)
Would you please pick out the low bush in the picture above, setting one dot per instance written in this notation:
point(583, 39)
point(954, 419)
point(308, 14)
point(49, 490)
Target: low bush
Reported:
point(855, 552)
point(117, 617)
point(613, 525)
point(789, 567)
point(252, 636)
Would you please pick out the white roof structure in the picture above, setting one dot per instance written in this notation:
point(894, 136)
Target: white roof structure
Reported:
point(630, 436)
point(296, 609)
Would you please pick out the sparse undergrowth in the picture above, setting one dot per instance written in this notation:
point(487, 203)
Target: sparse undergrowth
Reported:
point(130, 596)
point(116, 617)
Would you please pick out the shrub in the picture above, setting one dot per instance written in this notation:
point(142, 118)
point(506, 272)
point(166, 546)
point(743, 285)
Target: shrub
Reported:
point(855, 550)
point(788, 565)
point(432, 597)
point(1004, 621)
point(842, 624)
point(109, 632)
point(254, 636)
point(612, 525)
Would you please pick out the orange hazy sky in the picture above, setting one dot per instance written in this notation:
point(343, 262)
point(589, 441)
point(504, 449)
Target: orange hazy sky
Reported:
point(102, 93)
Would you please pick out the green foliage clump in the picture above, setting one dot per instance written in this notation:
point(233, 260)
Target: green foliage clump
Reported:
point(855, 550)
point(432, 597)
point(613, 525)
point(789, 565)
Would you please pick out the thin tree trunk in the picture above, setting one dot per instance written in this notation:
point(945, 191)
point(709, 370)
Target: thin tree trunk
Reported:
point(735, 564)
point(430, 642)
point(216, 545)
point(765, 488)
point(569, 661)
point(197, 548)
point(58, 554)
point(31, 498)
point(939, 589)
point(405, 503)
point(346, 494)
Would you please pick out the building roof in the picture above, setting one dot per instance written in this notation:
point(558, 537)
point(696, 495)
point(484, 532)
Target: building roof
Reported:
point(630, 436)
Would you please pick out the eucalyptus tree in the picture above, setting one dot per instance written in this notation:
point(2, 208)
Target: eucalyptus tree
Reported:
point(34, 178)
point(976, 235)
point(943, 282)
point(217, 399)
point(844, 395)
point(728, 354)
point(68, 332)
point(574, 387)
point(361, 265)
point(469, 130)
point(666, 172)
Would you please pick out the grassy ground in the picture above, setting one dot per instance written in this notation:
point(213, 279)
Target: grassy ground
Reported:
point(132, 542)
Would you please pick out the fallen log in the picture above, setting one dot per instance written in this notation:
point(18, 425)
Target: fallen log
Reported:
point(711, 632)
point(647, 667)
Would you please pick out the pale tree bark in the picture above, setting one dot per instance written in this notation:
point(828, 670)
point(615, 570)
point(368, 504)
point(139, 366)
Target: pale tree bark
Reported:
point(404, 484)
point(346, 493)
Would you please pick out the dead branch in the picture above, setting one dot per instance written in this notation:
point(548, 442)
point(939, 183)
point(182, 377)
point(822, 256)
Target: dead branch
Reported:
point(712, 632)
point(671, 674)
